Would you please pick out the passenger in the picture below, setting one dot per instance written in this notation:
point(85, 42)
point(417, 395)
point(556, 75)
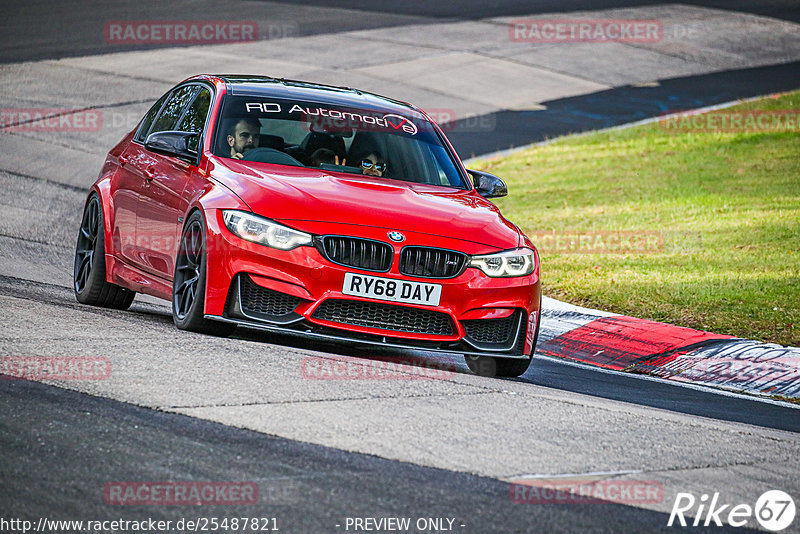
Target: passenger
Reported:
point(323, 155)
point(243, 136)
point(373, 164)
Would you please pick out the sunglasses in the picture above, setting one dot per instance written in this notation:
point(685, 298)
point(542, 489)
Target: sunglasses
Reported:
point(368, 164)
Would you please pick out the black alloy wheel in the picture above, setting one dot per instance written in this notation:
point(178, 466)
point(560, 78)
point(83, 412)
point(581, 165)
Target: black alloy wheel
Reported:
point(189, 282)
point(89, 274)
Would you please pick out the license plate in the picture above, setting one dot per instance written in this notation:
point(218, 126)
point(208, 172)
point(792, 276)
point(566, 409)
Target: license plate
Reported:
point(373, 287)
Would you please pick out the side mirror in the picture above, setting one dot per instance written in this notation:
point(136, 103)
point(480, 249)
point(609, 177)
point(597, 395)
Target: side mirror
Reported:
point(488, 185)
point(172, 143)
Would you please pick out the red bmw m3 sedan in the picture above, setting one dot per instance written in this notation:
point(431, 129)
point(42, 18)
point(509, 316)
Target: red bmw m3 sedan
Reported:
point(312, 210)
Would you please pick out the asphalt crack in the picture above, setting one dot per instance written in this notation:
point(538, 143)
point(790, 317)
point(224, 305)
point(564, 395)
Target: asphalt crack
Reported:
point(315, 401)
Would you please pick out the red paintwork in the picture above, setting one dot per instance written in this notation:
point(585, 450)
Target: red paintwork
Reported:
point(298, 194)
point(144, 198)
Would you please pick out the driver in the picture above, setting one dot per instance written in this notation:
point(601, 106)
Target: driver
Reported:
point(243, 136)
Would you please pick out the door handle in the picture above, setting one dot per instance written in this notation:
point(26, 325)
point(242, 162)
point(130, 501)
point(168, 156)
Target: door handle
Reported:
point(149, 173)
point(122, 160)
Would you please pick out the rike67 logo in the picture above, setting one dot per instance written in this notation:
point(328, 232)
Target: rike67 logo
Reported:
point(774, 510)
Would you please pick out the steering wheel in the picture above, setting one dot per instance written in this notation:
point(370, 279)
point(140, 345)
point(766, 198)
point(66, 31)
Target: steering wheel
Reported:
point(270, 155)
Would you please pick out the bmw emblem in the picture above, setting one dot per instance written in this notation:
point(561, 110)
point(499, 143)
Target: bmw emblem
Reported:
point(397, 237)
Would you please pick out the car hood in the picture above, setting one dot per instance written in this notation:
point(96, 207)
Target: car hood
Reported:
point(292, 195)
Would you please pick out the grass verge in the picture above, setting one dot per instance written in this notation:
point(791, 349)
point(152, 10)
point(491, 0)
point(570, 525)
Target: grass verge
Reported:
point(714, 216)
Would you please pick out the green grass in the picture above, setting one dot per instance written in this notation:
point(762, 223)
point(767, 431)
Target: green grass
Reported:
point(726, 204)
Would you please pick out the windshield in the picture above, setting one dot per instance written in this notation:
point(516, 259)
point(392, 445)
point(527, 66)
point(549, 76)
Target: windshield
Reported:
point(335, 139)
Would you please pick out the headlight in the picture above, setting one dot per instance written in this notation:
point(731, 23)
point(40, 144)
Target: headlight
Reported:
point(260, 230)
point(517, 262)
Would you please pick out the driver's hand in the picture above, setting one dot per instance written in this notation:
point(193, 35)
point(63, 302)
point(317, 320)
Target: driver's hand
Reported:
point(337, 161)
point(238, 155)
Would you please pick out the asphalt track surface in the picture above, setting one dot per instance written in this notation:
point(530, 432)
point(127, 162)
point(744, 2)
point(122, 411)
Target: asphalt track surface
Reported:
point(620, 105)
point(474, 9)
point(307, 487)
point(47, 30)
point(59, 447)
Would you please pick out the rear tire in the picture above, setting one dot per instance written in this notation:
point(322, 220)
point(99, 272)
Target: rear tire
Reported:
point(89, 273)
point(189, 282)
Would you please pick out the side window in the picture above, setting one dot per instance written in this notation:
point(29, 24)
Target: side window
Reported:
point(194, 119)
point(147, 122)
point(173, 108)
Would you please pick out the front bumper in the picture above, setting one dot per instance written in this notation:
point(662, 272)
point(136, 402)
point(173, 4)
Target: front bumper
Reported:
point(299, 292)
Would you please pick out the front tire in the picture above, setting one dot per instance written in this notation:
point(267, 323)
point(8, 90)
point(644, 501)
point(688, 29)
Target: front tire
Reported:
point(500, 367)
point(189, 282)
point(504, 367)
point(89, 273)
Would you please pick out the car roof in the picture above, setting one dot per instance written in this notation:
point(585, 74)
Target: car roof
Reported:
point(266, 86)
